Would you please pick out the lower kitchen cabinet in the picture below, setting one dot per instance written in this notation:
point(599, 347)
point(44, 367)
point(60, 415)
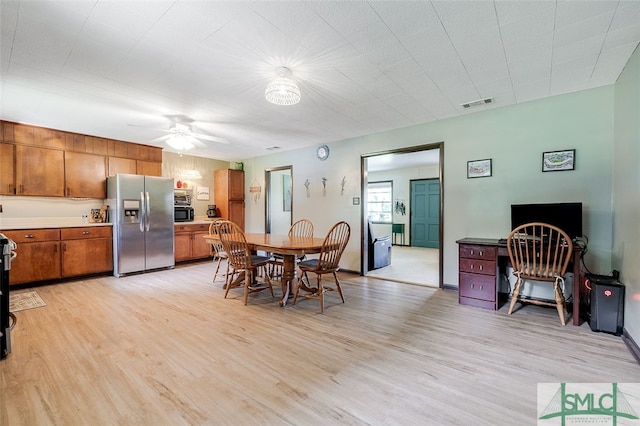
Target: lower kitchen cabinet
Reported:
point(51, 254)
point(86, 250)
point(38, 256)
point(189, 244)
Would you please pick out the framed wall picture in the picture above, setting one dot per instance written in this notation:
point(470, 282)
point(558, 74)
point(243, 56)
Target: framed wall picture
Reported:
point(202, 193)
point(479, 168)
point(555, 161)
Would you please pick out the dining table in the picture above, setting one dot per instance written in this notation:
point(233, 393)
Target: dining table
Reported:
point(289, 247)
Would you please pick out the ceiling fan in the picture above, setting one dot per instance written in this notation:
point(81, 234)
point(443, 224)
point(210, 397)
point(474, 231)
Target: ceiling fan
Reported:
point(181, 137)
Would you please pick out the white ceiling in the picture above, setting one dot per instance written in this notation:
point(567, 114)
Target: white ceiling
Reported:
point(95, 67)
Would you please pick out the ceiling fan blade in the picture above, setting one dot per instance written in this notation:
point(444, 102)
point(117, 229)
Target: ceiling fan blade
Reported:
point(210, 138)
point(151, 128)
point(160, 139)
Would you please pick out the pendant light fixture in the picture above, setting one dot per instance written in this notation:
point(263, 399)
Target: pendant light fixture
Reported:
point(283, 90)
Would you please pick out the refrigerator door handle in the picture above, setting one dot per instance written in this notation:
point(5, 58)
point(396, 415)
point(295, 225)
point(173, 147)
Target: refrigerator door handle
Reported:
point(147, 214)
point(142, 213)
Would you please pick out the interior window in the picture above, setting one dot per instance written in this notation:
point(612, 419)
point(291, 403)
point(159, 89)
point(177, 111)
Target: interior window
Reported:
point(379, 201)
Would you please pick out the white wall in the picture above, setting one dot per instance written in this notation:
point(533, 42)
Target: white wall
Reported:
point(514, 137)
point(626, 190)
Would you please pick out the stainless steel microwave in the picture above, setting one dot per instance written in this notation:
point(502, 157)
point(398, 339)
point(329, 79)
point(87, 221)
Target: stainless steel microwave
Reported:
point(183, 214)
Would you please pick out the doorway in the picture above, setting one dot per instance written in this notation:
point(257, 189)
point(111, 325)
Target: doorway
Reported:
point(421, 164)
point(278, 197)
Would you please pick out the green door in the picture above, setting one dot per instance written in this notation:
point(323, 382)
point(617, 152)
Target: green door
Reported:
point(425, 213)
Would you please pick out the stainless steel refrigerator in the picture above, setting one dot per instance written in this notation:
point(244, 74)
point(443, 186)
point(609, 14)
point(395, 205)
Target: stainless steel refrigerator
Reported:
point(141, 210)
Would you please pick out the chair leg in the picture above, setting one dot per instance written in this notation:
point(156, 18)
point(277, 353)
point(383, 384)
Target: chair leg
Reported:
point(514, 296)
point(560, 303)
point(321, 293)
point(215, 274)
point(297, 289)
point(335, 277)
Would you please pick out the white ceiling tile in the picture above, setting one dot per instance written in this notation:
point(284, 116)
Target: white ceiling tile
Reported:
point(627, 14)
point(596, 26)
point(629, 34)
point(513, 11)
point(405, 19)
point(586, 47)
point(542, 22)
point(572, 11)
point(94, 58)
point(346, 17)
point(532, 90)
point(609, 64)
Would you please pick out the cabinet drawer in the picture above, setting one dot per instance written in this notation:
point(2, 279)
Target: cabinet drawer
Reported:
point(476, 266)
point(194, 227)
point(477, 286)
point(477, 252)
point(33, 235)
point(85, 232)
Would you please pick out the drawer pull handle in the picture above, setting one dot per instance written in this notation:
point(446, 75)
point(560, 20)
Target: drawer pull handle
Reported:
point(480, 267)
point(86, 232)
point(481, 287)
point(471, 252)
point(29, 236)
point(472, 285)
point(481, 254)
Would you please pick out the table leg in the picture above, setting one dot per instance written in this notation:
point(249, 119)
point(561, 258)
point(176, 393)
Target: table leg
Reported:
point(288, 276)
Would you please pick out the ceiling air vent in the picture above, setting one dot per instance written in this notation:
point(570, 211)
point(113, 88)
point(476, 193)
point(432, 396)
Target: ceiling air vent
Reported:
point(271, 148)
point(478, 102)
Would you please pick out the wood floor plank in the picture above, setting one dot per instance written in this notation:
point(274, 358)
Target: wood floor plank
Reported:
point(167, 348)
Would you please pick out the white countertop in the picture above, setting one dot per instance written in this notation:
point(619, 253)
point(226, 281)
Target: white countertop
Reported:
point(61, 222)
point(45, 222)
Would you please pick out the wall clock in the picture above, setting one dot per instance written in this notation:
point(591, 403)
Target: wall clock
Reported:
point(322, 152)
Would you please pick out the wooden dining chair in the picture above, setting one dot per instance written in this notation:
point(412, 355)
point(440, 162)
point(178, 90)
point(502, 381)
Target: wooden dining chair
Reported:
point(327, 263)
point(242, 261)
point(300, 228)
point(219, 254)
point(540, 252)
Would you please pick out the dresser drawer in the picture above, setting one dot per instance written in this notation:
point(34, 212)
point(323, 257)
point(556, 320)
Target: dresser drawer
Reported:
point(476, 266)
point(33, 235)
point(477, 286)
point(194, 227)
point(477, 252)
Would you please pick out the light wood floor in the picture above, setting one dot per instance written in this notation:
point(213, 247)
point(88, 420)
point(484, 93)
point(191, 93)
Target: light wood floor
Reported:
point(166, 348)
point(414, 265)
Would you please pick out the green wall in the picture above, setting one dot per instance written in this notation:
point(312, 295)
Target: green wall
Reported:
point(513, 137)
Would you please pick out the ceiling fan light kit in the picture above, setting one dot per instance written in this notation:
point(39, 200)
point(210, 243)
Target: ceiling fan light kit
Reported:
point(179, 142)
point(283, 90)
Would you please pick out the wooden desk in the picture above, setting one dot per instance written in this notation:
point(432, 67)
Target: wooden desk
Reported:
point(288, 247)
point(481, 261)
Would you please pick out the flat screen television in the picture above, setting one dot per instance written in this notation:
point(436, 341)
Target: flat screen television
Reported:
point(566, 216)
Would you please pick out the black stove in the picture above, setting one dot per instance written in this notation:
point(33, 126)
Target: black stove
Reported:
point(7, 319)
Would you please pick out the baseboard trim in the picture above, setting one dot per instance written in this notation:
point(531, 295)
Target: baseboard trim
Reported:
point(450, 287)
point(631, 344)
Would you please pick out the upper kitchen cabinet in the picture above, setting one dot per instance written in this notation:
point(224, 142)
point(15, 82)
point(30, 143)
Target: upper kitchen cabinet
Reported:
point(228, 188)
point(7, 176)
point(39, 171)
point(85, 175)
point(148, 168)
point(121, 165)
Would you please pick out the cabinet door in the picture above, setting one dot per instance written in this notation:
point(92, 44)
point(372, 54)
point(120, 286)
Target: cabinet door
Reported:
point(85, 175)
point(200, 248)
point(39, 171)
point(84, 257)
point(148, 168)
point(182, 246)
point(35, 262)
point(7, 182)
point(236, 212)
point(121, 165)
point(236, 184)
